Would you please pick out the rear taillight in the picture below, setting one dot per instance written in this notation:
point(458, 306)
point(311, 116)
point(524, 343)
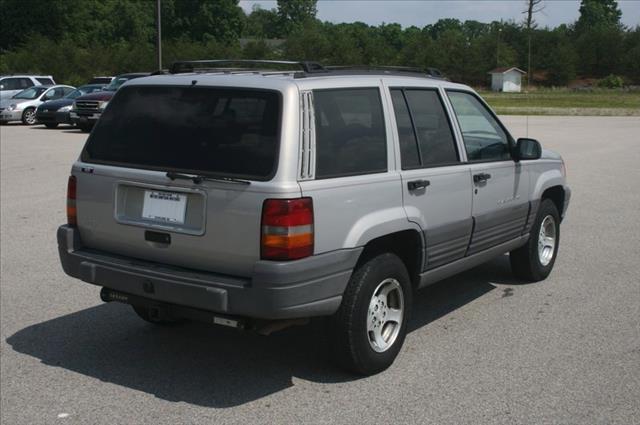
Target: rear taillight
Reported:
point(287, 229)
point(72, 218)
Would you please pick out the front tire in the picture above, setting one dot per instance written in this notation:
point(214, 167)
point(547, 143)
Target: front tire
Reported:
point(368, 330)
point(29, 116)
point(534, 260)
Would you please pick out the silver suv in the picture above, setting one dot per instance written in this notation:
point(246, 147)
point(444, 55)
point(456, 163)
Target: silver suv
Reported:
point(13, 84)
point(254, 199)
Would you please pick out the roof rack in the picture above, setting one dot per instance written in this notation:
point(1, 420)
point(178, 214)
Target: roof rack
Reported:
point(274, 67)
point(429, 72)
point(193, 66)
point(374, 68)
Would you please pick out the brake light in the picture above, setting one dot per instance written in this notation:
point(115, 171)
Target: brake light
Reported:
point(287, 229)
point(72, 218)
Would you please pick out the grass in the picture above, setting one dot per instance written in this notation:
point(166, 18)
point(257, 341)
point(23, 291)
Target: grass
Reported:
point(566, 102)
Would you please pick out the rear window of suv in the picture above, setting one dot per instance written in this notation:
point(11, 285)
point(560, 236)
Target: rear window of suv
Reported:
point(210, 131)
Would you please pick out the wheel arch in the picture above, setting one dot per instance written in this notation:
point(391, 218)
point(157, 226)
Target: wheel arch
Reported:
point(407, 244)
point(557, 195)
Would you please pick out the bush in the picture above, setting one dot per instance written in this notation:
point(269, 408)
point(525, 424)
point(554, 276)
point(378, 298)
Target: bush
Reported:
point(611, 82)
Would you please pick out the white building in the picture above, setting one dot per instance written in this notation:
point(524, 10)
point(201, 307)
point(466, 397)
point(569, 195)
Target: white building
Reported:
point(508, 79)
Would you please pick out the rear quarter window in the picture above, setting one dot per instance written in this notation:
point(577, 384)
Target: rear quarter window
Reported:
point(350, 132)
point(204, 130)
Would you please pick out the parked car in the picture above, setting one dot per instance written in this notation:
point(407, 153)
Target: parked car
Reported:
point(252, 200)
point(22, 106)
point(56, 112)
point(86, 110)
point(11, 85)
point(101, 80)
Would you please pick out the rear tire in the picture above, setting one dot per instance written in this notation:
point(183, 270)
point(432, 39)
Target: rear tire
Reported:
point(29, 116)
point(534, 260)
point(51, 125)
point(147, 315)
point(368, 330)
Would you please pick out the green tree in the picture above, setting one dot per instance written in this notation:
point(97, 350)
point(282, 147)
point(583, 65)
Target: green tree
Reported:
point(562, 64)
point(594, 13)
point(296, 13)
point(262, 23)
point(203, 20)
point(312, 43)
point(631, 60)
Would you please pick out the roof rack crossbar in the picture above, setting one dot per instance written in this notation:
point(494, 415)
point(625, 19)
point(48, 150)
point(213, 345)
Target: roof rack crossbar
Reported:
point(191, 66)
point(375, 68)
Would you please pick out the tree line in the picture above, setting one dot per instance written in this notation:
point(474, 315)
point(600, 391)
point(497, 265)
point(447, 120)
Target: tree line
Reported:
point(76, 39)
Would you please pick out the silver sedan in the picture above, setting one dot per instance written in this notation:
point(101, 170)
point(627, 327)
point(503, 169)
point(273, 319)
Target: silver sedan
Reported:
point(22, 106)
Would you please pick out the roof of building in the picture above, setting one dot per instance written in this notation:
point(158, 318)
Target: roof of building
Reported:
point(505, 69)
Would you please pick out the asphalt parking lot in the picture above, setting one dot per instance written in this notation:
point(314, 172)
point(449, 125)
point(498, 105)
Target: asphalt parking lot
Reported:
point(482, 347)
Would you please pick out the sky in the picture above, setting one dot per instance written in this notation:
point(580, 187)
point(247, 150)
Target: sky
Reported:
point(424, 12)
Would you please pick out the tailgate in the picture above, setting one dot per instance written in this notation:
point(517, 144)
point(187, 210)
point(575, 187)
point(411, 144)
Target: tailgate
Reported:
point(126, 203)
point(212, 226)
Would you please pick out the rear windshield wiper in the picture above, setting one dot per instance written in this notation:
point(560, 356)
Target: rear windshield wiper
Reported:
point(197, 179)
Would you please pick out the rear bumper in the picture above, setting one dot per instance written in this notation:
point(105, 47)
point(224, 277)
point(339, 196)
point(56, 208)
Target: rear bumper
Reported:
point(276, 290)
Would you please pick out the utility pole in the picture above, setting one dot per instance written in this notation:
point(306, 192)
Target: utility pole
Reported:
point(529, 76)
point(498, 48)
point(159, 34)
point(533, 7)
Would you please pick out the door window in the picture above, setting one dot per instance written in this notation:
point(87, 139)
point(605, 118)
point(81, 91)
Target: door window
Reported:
point(426, 138)
point(484, 138)
point(52, 94)
point(350, 132)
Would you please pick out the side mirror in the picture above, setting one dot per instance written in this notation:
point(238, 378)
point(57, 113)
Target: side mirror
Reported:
point(527, 149)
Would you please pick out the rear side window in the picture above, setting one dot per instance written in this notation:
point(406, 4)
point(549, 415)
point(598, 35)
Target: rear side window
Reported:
point(11, 84)
point(426, 138)
point(212, 131)
point(45, 81)
point(15, 83)
point(350, 132)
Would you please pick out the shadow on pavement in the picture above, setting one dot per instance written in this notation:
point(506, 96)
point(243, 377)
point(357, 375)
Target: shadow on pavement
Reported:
point(62, 127)
point(214, 366)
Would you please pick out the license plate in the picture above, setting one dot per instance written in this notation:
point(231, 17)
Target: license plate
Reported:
point(165, 207)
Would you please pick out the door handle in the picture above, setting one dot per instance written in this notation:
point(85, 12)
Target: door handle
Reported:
point(418, 184)
point(482, 177)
